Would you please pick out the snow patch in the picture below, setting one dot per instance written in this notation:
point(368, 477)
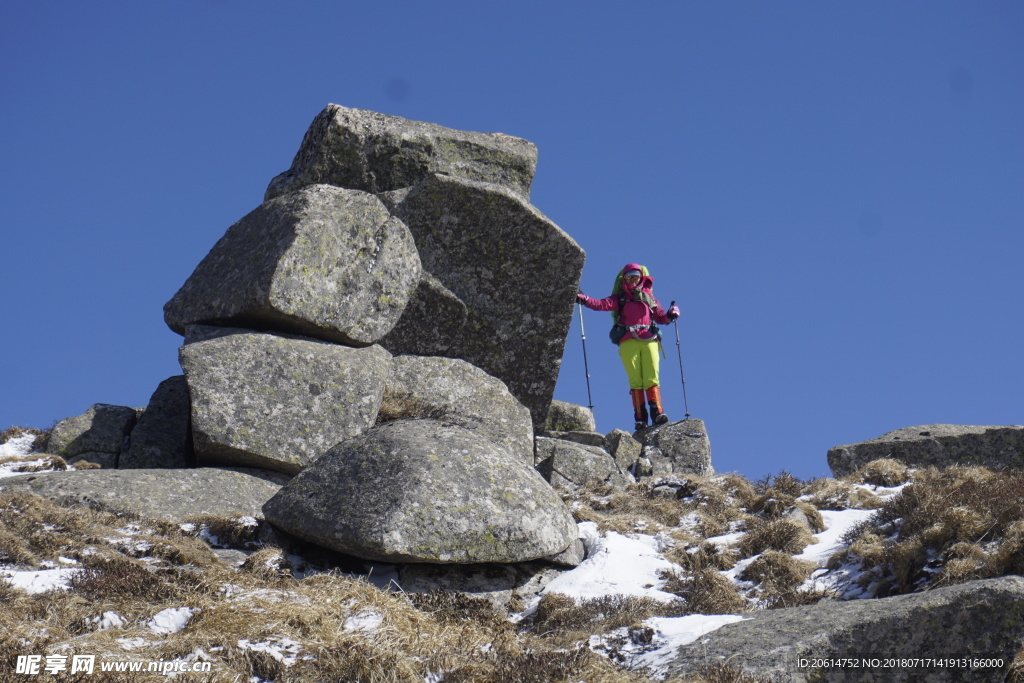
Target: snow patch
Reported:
point(284, 650)
point(655, 644)
point(364, 622)
point(39, 581)
point(615, 565)
point(171, 620)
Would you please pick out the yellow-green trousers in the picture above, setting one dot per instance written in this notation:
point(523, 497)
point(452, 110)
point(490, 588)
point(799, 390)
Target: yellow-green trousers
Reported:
point(640, 358)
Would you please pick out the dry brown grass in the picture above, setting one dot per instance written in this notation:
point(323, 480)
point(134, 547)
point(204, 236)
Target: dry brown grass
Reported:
point(343, 628)
point(883, 472)
point(783, 535)
point(137, 567)
point(777, 572)
point(705, 506)
point(836, 494)
point(782, 483)
point(778, 577)
point(42, 436)
point(635, 510)
point(401, 405)
point(1016, 672)
point(723, 673)
point(706, 591)
point(225, 531)
point(566, 621)
point(36, 462)
point(948, 526)
point(702, 555)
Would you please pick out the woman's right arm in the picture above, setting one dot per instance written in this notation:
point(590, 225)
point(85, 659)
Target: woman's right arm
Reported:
point(610, 303)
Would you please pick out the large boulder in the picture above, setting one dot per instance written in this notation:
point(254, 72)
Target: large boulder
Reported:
point(516, 272)
point(569, 465)
point(569, 417)
point(683, 445)
point(174, 495)
point(459, 393)
point(424, 491)
point(624, 448)
point(365, 150)
point(162, 437)
point(982, 619)
point(98, 435)
point(322, 261)
point(278, 402)
point(938, 445)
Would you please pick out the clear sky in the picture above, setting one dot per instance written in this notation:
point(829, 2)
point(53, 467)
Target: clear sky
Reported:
point(833, 192)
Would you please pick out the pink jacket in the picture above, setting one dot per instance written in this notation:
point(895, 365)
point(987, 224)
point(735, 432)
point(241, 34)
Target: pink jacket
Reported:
point(633, 313)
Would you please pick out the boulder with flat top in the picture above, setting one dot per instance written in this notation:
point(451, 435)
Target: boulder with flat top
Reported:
point(374, 152)
point(680, 447)
point(278, 402)
point(935, 445)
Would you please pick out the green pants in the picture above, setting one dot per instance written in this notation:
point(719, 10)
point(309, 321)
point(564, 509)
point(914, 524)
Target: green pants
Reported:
point(640, 358)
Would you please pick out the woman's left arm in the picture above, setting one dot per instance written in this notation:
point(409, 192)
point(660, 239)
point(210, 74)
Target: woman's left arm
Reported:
point(663, 317)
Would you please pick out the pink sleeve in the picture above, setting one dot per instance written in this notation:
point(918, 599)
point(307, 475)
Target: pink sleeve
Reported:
point(610, 303)
point(659, 314)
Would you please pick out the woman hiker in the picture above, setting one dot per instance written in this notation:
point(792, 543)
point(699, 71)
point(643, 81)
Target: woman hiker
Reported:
point(636, 311)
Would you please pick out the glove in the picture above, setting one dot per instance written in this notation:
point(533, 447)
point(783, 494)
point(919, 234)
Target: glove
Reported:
point(582, 298)
point(673, 313)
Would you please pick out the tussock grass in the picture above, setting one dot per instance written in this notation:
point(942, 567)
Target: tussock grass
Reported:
point(1016, 672)
point(703, 506)
point(778, 577)
point(719, 502)
point(883, 472)
point(635, 510)
point(26, 464)
point(402, 405)
point(779, 534)
point(777, 572)
point(837, 494)
point(706, 591)
point(34, 530)
point(948, 526)
point(726, 673)
point(42, 436)
point(565, 621)
point(702, 555)
point(225, 531)
point(782, 483)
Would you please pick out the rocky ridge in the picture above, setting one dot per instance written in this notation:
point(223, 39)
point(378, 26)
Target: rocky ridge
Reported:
point(360, 369)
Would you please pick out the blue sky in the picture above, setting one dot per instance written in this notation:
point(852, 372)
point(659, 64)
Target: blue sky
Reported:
point(834, 193)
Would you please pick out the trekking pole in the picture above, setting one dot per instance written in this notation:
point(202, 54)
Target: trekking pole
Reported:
point(586, 368)
point(679, 351)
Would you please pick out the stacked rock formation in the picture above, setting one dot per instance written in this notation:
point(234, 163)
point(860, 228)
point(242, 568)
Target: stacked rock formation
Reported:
point(372, 351)
point(390, 253)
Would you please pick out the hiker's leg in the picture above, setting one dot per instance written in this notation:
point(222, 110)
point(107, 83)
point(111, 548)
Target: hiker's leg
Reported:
point(658, 415)
point(639, 408)
point(649, 362)
point(629, 352)
point(650, 365)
